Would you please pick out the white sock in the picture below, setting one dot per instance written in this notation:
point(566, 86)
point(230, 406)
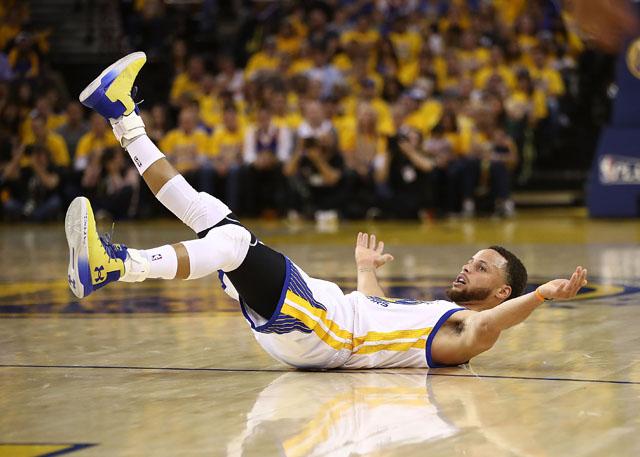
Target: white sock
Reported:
point(160, 262)
point(198, 210)
point(163, 262)
point(144, 153)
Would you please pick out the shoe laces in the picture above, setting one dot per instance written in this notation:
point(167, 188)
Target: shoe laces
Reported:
point(109, 246)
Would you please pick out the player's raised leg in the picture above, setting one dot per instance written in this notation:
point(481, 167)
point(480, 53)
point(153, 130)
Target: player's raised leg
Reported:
point(110, 94)
point(225, 245)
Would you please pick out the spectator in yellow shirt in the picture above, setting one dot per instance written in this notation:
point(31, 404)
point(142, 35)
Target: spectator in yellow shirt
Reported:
point(406, 43)
point(225, 151)
point(42, 108)
point(186, 147)
point(98, 138)
point(23, 59)
point(546, 77)
point(42, 136)
point(188, 82)
point(495, 67)
point(264, 61)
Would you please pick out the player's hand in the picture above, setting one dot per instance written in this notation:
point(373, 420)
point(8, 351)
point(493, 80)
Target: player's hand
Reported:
point(564, 288)
point(370, 254)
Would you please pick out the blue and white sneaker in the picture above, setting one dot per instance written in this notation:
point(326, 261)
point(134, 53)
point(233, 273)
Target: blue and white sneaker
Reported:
point(94, 261)
point(110, 93)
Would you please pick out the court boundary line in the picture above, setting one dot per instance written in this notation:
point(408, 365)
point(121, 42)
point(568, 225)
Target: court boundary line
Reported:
point(284, 370)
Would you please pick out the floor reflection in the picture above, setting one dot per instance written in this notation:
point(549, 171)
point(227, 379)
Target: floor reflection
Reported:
point(341, 414)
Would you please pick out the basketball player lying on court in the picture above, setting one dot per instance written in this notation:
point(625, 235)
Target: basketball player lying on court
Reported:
point(299, 320)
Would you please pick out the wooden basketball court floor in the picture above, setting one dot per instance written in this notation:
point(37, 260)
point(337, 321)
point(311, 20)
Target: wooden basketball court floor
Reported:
point(171, 369)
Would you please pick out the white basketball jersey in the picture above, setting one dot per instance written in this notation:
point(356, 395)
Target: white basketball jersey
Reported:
point(395, 332)
point(317, 326)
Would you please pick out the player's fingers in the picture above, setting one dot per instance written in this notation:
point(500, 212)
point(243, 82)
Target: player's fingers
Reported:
point(372, 242)
point(380, 248)
point(365, 240)
point(359, 239)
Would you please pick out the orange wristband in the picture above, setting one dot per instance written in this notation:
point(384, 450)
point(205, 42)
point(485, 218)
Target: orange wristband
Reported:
point(539, 295)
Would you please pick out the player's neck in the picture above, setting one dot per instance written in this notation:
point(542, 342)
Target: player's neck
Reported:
point(477, 305)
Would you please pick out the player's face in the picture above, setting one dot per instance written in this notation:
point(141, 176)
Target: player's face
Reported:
point(479, 278)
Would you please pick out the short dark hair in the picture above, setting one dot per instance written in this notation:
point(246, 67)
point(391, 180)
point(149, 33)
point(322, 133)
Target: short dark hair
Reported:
point(516, 272)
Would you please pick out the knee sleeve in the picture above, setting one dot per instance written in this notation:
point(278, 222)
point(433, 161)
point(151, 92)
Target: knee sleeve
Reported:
point(199, 211)
point(224, 248)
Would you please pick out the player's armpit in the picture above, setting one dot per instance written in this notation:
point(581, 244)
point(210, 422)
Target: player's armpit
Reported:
point(464, 339)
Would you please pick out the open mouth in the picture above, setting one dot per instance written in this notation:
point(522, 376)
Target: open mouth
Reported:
point(460, 279)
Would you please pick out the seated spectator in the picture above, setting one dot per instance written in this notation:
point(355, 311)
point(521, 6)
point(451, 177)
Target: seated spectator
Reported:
point(264, 61)
point(186, 148)
point(188, 83)
point(226, 157)
point(501, 159)
point(315, 174)
point(23, 58)
point(51, 141)
point(229, 77)
point(112, 184)
point(266, 148)
point(364, 153)
point(43, 107)
point(74, 128)
point(98, 138)
point(31, 183)
point(323, 71)
point(407, 173)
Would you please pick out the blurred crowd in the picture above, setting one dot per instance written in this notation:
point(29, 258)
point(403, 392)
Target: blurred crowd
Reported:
point(341, 109)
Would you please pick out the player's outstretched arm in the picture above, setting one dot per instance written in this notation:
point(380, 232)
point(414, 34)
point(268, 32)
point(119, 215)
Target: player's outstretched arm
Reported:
point(480, 330)
point(369, 257)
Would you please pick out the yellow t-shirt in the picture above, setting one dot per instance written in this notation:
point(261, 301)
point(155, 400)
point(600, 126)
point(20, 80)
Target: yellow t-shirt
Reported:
point(288, 45)
point(368, 38)
point(182, 85)
point(300, 66)
point(540, 110)
point(226, 143)
point(53, 122)
point(483, 75)
point(291, 120)
point(407, 46)
point(177, 145)
point(90, 142)
point(58, 149)
point(260, 61)
point(210, 110)
point(550, 77)
point(177, 138)
point(426, 117)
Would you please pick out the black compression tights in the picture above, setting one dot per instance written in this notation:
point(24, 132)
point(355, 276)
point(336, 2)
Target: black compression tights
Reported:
point(260, 277)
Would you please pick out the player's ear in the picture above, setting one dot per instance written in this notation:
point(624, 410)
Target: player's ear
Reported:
point(504, 292)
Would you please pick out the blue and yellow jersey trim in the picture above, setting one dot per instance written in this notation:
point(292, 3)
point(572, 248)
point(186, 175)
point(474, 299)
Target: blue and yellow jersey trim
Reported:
point(299, 311)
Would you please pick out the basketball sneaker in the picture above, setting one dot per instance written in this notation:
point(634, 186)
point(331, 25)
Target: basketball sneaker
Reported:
point(110, 93)
point(94, 261)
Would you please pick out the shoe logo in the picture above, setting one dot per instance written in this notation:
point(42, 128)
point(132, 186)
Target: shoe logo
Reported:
point(72, 282)
point(99, 270)
point(156, 257)
point(137, 161)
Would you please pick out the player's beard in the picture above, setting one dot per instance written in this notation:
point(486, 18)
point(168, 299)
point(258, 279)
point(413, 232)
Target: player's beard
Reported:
point(469, 295)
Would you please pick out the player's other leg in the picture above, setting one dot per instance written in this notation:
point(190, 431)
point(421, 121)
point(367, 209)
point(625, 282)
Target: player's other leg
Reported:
point(259, 273)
